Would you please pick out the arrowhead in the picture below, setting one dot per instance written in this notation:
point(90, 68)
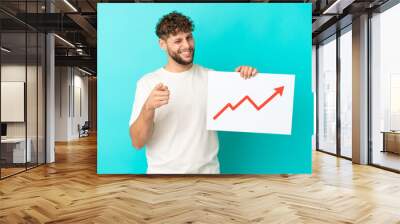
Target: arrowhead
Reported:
point(279, 90)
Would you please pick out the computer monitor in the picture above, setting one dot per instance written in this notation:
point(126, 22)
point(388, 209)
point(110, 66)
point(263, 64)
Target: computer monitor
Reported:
point(3, 129)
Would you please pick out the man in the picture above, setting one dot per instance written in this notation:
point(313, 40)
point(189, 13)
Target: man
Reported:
point(169, 111)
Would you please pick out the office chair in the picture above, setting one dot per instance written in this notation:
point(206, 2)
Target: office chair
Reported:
point(84, 130)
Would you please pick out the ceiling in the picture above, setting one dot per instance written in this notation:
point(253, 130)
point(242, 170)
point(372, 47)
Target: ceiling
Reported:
point(76, 22)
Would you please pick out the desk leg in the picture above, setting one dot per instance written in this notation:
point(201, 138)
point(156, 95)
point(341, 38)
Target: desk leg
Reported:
point(384, 142)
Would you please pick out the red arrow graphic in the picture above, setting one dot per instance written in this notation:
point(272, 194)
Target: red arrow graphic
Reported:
point(278, 90)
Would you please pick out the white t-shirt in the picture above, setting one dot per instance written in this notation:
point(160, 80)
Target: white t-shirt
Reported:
point(180, 143)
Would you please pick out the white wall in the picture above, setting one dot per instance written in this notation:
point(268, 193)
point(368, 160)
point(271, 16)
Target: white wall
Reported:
point(70, 83)
point(15, 72)
point(79, 117)
point(61, 103)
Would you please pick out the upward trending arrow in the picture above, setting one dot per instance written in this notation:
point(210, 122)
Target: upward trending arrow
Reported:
point(278, 91)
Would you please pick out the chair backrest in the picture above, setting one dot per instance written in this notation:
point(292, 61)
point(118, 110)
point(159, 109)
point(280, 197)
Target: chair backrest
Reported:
point(86, 124)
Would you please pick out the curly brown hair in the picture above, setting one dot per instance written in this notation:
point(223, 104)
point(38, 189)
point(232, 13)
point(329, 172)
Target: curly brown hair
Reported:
point(173, 23)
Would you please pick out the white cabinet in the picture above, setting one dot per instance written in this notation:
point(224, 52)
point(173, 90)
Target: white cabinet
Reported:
point(18, 149)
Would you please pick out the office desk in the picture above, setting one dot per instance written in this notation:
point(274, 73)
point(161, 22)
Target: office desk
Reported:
point(391, 141)
point(13, 150)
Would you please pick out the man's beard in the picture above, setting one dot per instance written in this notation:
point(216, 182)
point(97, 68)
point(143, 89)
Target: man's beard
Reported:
point(178, 59)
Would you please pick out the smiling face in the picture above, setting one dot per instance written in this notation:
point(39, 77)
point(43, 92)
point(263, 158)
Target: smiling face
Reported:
point(180, 47)
point(174, 31)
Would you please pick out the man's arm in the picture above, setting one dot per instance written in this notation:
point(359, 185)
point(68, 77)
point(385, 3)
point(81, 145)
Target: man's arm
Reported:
point(142, 128)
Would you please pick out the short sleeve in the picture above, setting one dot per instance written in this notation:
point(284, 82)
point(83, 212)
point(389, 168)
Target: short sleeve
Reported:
point(141, 94)
point(208, 70)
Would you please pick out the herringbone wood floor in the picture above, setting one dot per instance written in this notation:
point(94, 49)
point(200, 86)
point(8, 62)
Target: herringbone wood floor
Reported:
point(70, 191)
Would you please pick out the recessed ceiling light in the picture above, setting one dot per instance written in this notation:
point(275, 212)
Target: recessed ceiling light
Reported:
point(64, 40)
point(5, 50)
point(84, 71)
point(337, 7)
point(70, 5)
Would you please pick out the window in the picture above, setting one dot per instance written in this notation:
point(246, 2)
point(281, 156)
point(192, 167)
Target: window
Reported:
point(327, 96)
point(385, 89)
point(346, 92)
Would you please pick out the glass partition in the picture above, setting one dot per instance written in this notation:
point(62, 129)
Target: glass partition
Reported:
point(22, 89)
point(14, 153)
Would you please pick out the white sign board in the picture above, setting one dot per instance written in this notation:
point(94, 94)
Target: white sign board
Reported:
point(261, 104)
point(12, 101)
